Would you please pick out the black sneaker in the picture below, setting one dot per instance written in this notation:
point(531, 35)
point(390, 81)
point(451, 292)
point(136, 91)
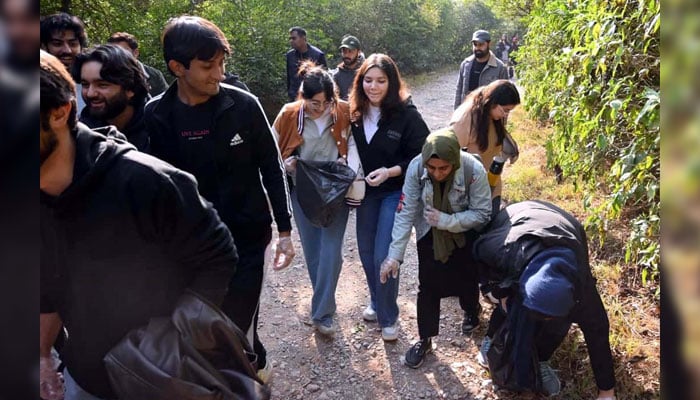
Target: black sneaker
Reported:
point(471, 321)
point(416, 354)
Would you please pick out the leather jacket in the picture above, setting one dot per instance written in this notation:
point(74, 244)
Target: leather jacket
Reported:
point(196, 354)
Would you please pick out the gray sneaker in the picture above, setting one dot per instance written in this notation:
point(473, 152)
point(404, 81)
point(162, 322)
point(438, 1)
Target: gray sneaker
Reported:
point(481, 357)
point(325, 329)
point(550, 380)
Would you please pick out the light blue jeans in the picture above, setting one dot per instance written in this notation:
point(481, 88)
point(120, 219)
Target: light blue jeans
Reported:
point(73, 390)
point(375, 220)
point(324, 259)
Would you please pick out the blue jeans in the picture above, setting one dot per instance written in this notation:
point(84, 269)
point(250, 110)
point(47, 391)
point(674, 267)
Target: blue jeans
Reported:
point(324, 259)
point(375, 220)
point(73, 390)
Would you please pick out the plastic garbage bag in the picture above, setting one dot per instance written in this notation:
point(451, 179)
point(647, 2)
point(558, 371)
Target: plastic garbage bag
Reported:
point(321, 187)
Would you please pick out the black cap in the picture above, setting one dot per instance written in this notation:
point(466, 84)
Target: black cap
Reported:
point(350, 42)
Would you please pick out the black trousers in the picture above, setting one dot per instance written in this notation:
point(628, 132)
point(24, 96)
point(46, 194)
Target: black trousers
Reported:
point(437, 280)
point(549, 334)
point(242, 301)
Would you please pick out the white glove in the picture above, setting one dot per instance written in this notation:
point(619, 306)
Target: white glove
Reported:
point(50, 380)
point(290, 165)
point(388, 267)
point(432, 215)
point(284, 253)
point(377, 177)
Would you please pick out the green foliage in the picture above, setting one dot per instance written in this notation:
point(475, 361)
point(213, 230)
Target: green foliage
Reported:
point(420, 35)
point(591, 68)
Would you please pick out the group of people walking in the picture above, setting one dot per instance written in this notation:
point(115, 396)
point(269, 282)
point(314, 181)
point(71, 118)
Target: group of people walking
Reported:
point(190, 209)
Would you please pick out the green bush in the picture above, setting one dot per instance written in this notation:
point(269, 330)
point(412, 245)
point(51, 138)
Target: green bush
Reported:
point(591, 68)
point(421, 35)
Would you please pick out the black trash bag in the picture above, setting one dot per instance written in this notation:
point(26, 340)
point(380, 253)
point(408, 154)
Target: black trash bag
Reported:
point(321, 188)
point(501, 366)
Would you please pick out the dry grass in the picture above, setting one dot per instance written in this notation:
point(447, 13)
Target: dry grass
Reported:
point(632, 311)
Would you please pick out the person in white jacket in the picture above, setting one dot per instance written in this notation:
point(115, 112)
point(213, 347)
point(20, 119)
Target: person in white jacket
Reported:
point(446, 197)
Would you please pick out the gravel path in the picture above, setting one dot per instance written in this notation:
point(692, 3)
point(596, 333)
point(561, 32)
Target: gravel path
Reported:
point(357, 363)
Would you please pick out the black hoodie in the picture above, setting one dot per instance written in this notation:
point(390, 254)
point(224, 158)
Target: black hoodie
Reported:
point(120, 245)
point(135, 130)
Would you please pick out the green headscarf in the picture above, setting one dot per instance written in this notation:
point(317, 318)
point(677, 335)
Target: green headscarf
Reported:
point(443, 144)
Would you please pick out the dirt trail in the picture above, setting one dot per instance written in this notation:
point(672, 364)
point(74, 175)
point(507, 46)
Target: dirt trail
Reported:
point(357, 363)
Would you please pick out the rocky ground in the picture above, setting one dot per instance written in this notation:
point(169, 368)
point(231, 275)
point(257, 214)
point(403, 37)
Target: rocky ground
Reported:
point(357, 363)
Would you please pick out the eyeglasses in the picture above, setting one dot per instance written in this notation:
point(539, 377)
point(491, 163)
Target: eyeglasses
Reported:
point(317, 104)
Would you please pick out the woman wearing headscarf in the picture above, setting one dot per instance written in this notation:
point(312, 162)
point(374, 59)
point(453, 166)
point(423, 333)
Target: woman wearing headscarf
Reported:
point(446, 196)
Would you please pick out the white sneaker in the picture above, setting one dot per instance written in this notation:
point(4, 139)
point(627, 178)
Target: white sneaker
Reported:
point(369, 314)
point(391, 333)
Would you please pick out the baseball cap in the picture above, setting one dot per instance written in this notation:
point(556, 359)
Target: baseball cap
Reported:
point(481, 36)
point(350, 42)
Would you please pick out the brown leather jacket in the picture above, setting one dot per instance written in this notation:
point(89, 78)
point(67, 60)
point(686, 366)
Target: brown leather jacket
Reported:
point(289, 125)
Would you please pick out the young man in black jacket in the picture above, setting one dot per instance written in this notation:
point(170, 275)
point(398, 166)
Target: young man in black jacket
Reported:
point(220, 134)
point(535, 264)
point(123, 234)
point(115, 91)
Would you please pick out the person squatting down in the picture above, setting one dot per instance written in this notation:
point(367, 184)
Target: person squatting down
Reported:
point(317, 127)
point(446, 197)
point(389, 131)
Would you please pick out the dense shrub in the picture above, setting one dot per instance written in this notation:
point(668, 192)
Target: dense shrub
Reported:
point(591, 68)
point(421, 35)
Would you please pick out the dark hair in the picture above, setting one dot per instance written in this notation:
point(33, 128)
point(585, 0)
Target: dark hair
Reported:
point(484, 98)
point(118, 66)
point(397, 94)
point(56, 89)
point(299, 30)
point(130, 39)
point(61, 22)
point(314, 80)
point(186, 38)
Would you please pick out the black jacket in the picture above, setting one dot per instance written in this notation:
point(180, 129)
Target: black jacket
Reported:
point(135, 130)
point(228, 162)
point(120, 245)
point(397, 140)
point(521, 231)
point(197, 353)
point(294, 58)
point(156, 81)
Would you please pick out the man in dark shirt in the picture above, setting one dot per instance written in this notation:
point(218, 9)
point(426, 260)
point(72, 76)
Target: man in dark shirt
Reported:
point(154, 78)
point(123, 235)
point(344, 74)
point(63, 36)
point(301, 50)
point(220, 134)
point(115, 91)
point(479, 69)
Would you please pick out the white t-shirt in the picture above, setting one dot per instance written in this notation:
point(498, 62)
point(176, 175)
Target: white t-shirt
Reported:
point(371, 121)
